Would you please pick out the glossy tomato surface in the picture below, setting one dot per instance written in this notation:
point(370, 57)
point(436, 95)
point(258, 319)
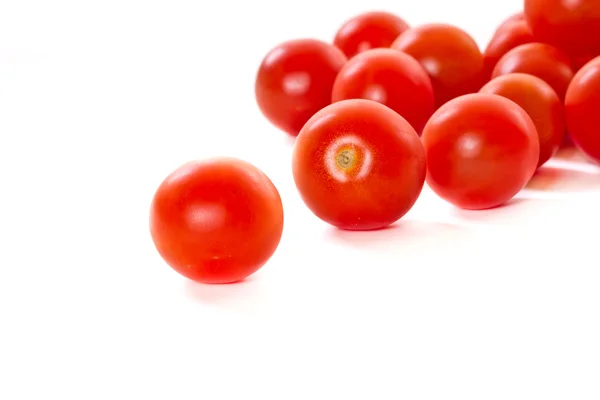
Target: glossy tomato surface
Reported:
point(392, 78)
point(358, 165)
point(511, 34)
point(542, 60)
point(481, 149)
point(367, 31)
point(571, 25)
point(216, 221)
point(294, 81)
point(582, 107)
point(449, 55)
point(542, 104)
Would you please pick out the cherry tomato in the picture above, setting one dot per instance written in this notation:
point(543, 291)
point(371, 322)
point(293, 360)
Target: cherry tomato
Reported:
point(369, 31)
point(294, 81)
point(390, 77)
point(510, 35)
point(216, 221)
point(481, 150)
point(520, 16)
point(542, 104)
point(582, 107)
point(450, 56)
point(358, 165)
point(573, 25)
point(542, 60)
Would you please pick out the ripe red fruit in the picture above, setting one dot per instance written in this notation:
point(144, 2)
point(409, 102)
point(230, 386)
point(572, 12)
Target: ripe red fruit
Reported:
point(582, 108)
point(481, 151)
point(367, 31)
point(216, 221)
point(449, 55)
point(390, 77)
point(511, 34)
point(358, 165)
point(573, 25)
point(542, 60)
point(542, 104)
point(294, 81)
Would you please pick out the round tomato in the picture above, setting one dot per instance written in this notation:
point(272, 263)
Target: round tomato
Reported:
point(294, 81)
point(542, 60)
point(573, 26)
point(369, 31)
point(358, 165)
point(450, 56)
point(216, 221)
point(582, 107)
point(481, 149)
point(390, 77)
point(542, 104)
point(511, 34)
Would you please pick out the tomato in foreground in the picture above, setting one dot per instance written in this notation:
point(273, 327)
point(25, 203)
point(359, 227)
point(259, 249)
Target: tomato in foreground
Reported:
point(358, 165)
point(542, 60)
point(542, 104)
point(511, 34)
point(450, 56)
point(294, 81)
point(216, 221)
point(392, 78)
point(367, 31)
point(582, 108)
point(481, 150)
point(573, 25)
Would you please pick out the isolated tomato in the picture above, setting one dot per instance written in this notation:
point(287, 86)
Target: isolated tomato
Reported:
point(450, 56)
point(369, 31)
point(294, 81)
point(511, 34)
point(542, 60)
point(358, 165)
point(542, 104)
point(571, 25)
point(582, 107)
point(216, 221)
point(390, 77)
point(481, 149)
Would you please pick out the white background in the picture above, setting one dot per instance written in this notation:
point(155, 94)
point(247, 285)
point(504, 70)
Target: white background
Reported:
point(100, 100)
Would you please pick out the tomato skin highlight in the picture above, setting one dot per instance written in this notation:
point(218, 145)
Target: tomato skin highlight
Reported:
point(511, 34)
point(542, 104)
point(392, 78)
point(371, 30)
point(358, 165)
point(582, 108)
point(216, 221)
point(450, 56)
point(481, 150)
point(538, 59)
point(573, 26)
point(294, 81)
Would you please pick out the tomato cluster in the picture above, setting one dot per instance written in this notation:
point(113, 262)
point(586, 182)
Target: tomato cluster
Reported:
point(381, 110)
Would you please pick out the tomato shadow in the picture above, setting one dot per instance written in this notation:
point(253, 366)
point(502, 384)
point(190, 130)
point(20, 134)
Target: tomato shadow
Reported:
point(243, 296)
point(566, 178)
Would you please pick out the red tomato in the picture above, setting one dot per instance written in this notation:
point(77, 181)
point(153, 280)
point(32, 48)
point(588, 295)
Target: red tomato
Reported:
point(369, 31)
point(542, 60)
point(573, 25)
point(294, 81)
point(216, 221)
point(542, 104)
point(450, 56)
point(515, 17)
point(358, 165)
point(389, 77)
point(510, 35)
point(481, 151)
point(582, 107)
